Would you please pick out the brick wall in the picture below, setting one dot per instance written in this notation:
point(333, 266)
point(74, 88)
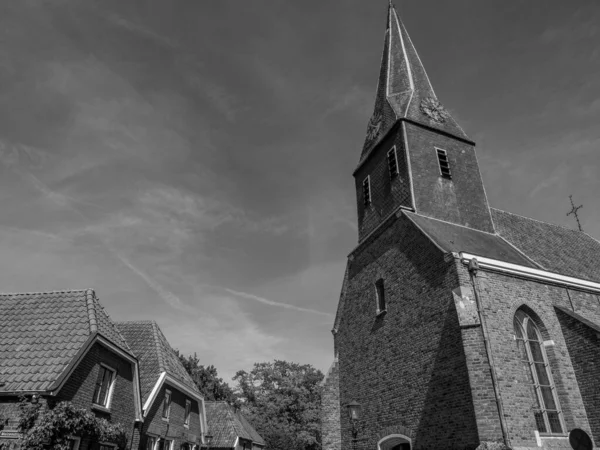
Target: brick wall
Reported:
point(386, 193)
point(583, 344)
point(174, 428)
point(501, 296)
point(461, 200)
point(79, 388)
point(330, 410)
point(406, 367)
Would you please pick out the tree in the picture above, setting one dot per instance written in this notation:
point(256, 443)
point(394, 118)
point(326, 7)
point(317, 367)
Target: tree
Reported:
point(282, 401)
point(207, 380)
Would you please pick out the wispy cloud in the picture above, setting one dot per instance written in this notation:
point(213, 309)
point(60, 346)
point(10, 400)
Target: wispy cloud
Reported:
point(265, 301)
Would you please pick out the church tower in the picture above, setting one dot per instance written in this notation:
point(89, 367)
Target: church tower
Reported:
point(415, 154)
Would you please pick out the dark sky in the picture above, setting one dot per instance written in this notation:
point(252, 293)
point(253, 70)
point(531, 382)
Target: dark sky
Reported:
point(191, 160)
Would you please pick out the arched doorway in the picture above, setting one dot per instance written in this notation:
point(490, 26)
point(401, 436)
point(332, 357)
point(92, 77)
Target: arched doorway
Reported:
point(394, 442)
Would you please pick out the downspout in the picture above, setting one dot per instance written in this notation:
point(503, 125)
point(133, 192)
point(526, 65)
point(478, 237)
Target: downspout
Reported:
point(473, 268)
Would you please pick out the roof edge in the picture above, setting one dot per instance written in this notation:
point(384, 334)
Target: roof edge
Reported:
point(90, 297)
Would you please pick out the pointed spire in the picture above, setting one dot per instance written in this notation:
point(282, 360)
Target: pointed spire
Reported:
point(404, 90)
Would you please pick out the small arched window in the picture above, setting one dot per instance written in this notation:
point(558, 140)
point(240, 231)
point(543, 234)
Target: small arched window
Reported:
point(546, 409)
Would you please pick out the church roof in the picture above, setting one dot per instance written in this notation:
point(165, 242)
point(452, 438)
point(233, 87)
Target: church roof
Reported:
point(556, 249)
point(404, 90)
point(155, 355)
point(42, 333)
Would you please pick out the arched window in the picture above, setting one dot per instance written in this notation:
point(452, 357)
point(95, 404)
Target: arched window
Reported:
point(548, 415)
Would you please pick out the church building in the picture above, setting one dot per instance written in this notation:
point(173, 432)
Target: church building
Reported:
point(457, 324)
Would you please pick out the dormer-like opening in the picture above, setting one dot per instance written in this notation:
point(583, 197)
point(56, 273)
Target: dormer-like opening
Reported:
point(444, 163)
point(392, 159)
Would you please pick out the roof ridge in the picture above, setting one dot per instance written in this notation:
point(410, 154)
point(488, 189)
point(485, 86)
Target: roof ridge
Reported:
point(451, 223)
point(45, 292)
point(539, 221)
point(125, 322)
point(112, 324)
point(91, 310)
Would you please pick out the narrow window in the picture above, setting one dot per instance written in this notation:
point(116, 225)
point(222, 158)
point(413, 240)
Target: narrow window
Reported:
point(547, 413)
point(367, 191)
point(444, 163)
point(380, 291)
point(166, 405)
point(188, 409)
point(103, 387)
point(393, 162)
point(73, 442)
point(150, 442)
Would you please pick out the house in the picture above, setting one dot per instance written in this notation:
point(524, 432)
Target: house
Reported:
point(457, 323)
point(62, 346)
point(173, 408)
point(230, 429)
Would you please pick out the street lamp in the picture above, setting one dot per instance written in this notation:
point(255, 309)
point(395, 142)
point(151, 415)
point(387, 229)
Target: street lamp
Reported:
point(354, 409)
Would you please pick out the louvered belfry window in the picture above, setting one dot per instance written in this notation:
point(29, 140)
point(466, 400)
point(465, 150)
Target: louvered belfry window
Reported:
point(392, 163)
point(546, 409)
point(367, 191)
point(444, 163)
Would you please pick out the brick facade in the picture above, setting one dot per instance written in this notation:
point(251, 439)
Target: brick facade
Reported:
point(174, 428)
point(331, 437)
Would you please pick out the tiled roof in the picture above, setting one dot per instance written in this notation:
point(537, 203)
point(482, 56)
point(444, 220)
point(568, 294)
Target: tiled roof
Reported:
point(227, 424)
point(557, 249)
point(155, 355)
point(41, 332)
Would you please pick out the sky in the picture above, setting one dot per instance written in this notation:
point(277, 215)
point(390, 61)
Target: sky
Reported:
point(191, 160)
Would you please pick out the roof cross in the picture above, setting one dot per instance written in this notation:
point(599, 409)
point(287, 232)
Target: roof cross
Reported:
point(574, 210)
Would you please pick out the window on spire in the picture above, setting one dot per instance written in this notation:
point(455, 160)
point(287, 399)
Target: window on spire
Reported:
point(392, 162)
point(546, 409)
point(367, 191)
point(380, 292)
point(444, 163)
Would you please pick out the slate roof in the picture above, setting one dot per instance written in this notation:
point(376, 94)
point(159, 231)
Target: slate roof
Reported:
point(155, 355)
point(41, 333)
point(556, 249)
point(455, 238)
point(227, 424)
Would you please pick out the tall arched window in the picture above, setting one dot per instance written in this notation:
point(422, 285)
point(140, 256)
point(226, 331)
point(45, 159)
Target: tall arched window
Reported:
point(548, 415)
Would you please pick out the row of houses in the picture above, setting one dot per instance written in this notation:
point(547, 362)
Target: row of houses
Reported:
point(63, 346)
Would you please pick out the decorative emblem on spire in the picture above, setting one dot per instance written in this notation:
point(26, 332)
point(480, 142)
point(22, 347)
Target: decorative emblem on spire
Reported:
point(433, 109)
point(374, 127)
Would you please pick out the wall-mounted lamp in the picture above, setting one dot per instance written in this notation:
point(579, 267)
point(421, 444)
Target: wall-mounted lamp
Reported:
point(354, 410)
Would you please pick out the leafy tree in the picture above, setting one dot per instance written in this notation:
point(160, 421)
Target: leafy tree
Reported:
point(49, 427)
point(207, 380)
point(282, 401)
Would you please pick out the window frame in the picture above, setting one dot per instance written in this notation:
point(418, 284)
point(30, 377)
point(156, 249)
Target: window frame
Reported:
point(367, 200)
point(150, 439)
point(395, 174)
point(167, 406)
point(441, 152)
point(380, 296)
point(188, 413)
point(522, 335)
point(76, 440)
point(109, 391)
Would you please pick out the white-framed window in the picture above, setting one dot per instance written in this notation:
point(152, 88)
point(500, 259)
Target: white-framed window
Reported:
point(380, 294)
point(188, 410)
point(166, 411)
point(444, 163)
point(546, 409)
point(165, 444)
point(392, 159)
point(150, 442)
point(104, 386)
point(366, 186)
point(73, 442)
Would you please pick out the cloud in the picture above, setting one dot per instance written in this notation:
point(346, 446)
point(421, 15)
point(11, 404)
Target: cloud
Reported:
point(278, 304)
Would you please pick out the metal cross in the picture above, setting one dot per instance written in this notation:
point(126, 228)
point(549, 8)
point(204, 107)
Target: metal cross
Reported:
point(574, 210)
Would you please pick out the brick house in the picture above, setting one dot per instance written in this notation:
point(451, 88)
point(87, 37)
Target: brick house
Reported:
point(173, 408)
point(230, 429)
point(62, 346)
point(457, 323)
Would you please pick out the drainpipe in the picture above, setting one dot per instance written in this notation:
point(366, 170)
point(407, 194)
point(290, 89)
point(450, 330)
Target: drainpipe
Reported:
point(473, 268)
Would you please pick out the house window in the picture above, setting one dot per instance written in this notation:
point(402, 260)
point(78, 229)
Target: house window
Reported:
point(380, 292)
point(104, 386)
point(547, 413)
point(150, 442)
point(367, 191)
point(166, 405)
point(444, 163)
point(392, 162)
point(188, 409)
point(73, 442)
point(165, 444)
